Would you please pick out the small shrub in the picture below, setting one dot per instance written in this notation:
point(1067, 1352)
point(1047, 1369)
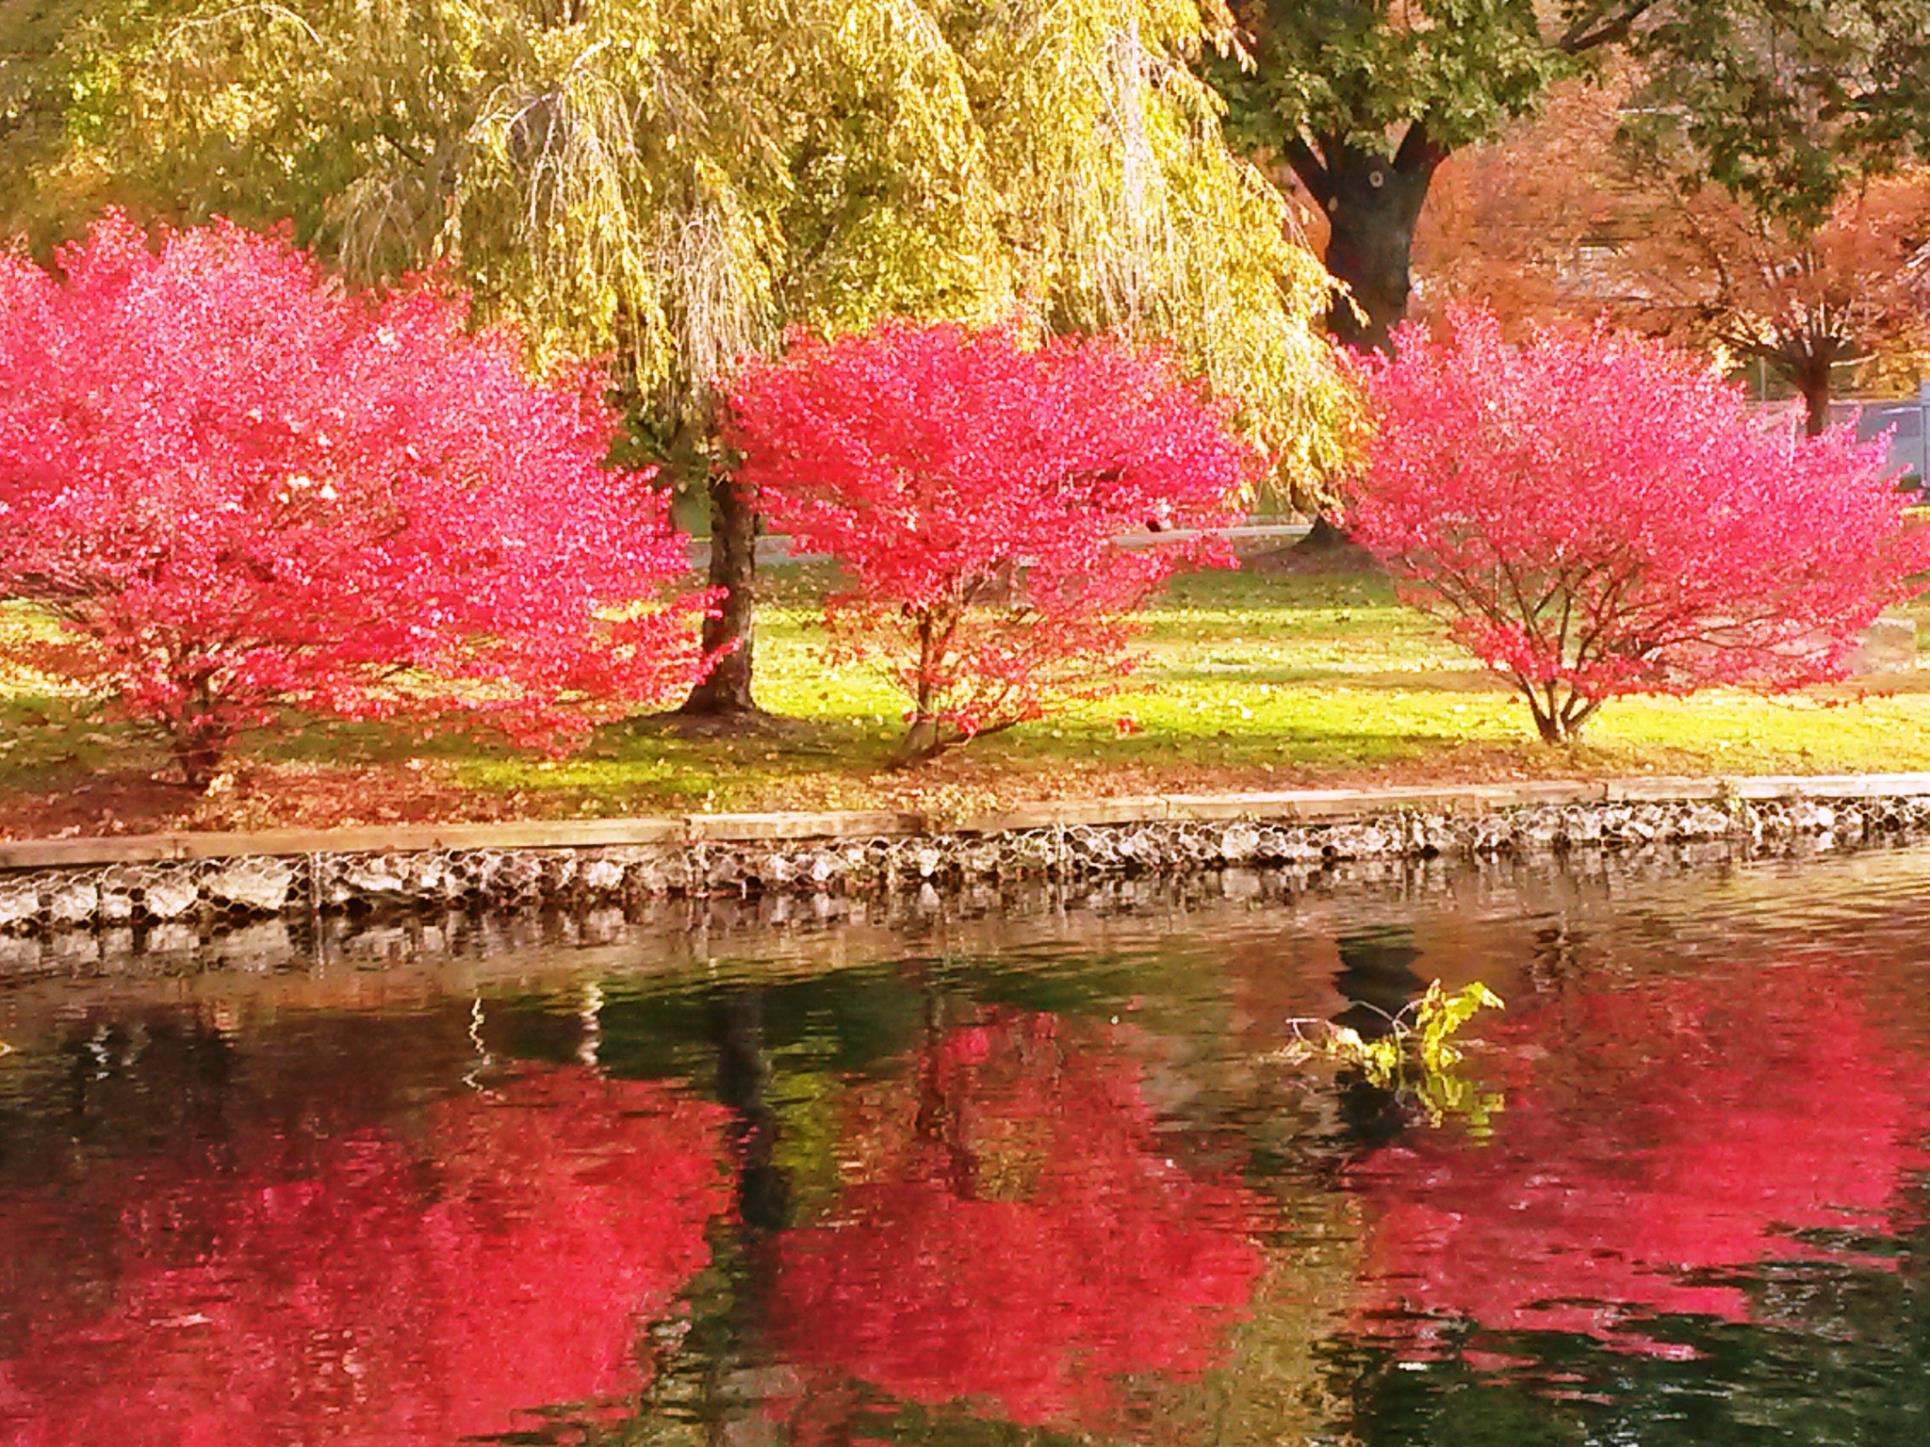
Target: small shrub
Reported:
point(1598, 515)
point(972, 488)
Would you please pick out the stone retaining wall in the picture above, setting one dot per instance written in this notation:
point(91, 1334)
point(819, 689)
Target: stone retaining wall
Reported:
point(780, 930)
point(60, 885)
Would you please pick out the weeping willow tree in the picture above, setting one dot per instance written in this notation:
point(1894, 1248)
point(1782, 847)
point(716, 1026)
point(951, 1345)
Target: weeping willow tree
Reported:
point(1121, 207)
point(678, 182)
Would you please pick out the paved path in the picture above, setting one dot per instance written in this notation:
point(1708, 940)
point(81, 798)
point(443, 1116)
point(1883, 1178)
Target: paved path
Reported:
point(776, 550)
point(1285, 805)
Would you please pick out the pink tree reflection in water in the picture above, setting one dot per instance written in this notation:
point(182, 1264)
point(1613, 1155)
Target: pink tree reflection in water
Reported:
point(1011, 1234)
point(1654, 1133)
point(360, 1289)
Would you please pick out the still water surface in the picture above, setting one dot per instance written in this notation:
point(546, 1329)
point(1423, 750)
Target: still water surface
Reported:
point(1036, 1176)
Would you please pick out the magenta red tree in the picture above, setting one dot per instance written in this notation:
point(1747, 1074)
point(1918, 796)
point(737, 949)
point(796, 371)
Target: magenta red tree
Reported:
point(973, 488)
point(1696, 1127)
point(1598, 515)
point(235, 486)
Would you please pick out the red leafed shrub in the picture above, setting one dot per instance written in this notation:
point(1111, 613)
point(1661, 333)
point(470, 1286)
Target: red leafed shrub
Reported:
point(972, 486)
point(1599, 515)
point(236, 486)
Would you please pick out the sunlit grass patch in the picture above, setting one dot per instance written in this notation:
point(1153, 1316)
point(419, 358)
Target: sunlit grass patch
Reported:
point(1252, 679)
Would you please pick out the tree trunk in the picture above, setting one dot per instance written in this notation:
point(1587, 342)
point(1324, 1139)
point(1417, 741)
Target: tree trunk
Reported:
point(922, 739)
point(1373, 205)
point(921, 742)
point(1324, 536)
point(1377, 979)
point(1815, 385)
point(743, 1079)
point(726, 689)
point(1552, 728)
point(198, 740)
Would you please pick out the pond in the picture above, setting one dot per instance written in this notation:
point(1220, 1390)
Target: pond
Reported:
point(973, 1175)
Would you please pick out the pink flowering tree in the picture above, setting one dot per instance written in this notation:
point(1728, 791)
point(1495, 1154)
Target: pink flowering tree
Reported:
point(1598, 515)
point(973, 486)
point(235, 486)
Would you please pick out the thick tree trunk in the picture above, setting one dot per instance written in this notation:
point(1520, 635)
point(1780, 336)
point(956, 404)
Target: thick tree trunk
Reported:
point(726, 689)
point(1373, 206)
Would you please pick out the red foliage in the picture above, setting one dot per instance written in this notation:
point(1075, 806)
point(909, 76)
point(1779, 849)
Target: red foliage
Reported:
point(972, 487)
point(1599, 515)
point(352, 1290)
point(1693, 1126)
point(1014, 1235)
point(238, 486)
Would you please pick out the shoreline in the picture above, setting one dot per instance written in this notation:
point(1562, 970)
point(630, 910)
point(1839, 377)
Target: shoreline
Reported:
point(56, 885)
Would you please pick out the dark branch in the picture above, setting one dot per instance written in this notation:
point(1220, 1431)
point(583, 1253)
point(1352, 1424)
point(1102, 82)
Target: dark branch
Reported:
point(1419, 152)
point(1603, 24)
point(1310, 169)
point(415, 155)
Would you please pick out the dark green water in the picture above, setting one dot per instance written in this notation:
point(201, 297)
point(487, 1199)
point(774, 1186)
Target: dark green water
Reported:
point(989, 1176)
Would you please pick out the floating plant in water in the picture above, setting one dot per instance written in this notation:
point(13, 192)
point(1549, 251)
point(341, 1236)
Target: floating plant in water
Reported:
point(1415, 1058)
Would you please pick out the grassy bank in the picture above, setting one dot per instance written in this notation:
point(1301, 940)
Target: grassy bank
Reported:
point(1254, 679)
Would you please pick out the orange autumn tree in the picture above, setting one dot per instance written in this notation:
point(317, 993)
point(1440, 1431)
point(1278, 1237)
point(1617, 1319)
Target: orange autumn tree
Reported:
point(1517, 227)
point(1562, 221)
point(1807, 302)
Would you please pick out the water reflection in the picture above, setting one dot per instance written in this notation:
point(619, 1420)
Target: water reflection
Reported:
point(357, 1285)
point(1376, 977)
point(1008, 1232)
point(1661, 1142)
point(987, 1176)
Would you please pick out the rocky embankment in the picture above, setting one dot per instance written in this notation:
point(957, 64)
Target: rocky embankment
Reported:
point(59, 887)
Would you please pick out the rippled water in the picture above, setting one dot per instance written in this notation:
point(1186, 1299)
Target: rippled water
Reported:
point(1032, 1175)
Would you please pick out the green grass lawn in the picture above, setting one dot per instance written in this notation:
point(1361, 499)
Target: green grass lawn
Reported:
point(1252, 679)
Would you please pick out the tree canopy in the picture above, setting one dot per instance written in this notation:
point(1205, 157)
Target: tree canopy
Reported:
point(1559, 223)
point(972, 490)
point(1781, 102)
point(230, 485)
point(681, 180)
point(1584, 550)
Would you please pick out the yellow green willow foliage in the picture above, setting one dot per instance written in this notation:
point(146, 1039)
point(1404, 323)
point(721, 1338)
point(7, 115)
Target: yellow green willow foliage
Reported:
point(679, 181)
